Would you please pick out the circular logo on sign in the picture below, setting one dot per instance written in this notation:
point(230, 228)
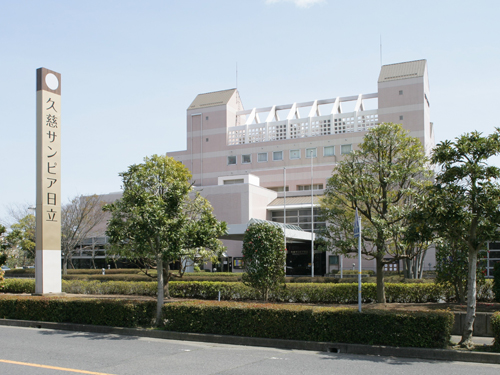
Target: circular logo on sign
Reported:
point(51, 81)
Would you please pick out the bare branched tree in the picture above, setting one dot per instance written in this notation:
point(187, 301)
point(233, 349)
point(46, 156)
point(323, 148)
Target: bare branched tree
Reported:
point(18, 211)
point(82, 217)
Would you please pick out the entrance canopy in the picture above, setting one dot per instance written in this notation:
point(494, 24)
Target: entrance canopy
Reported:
point(293, 233)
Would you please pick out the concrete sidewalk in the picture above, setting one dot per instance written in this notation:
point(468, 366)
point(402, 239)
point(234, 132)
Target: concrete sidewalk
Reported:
point(479, 341)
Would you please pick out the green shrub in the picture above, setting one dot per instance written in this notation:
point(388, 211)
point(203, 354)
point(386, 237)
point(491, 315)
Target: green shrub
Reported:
point(264, 255)
point(496, 282)
point(343, 293)
point(112, 271)
point(365, 272)
point(485, 291)
point(118, 276)
point(236, 291)
point(495, 325)
point(114, 313)
point(85, 272)
point(19, 286)
point(210, 290)
point(210, 277)
point(20, 272)
point(323, 293)
point(413, 292)
point(308, 279)
point(310, 293)
point(292, 322)
point(212, 274)
point(110, 287)
point(109, 277)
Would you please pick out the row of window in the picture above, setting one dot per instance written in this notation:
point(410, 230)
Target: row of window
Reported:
point(262, 157)
point(301, 218)
point(280, 189)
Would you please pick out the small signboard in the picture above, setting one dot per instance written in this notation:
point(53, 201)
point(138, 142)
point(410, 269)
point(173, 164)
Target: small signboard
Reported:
point(238, 263)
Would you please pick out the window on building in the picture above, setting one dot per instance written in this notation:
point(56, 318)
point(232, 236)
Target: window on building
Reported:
point(400, 118)
point(400, 92)
point(391, 267)
point(311, 153)
point(246, 159)
point(329, 151)
point(294, 154)
point(308, 187)
point(277, 155)
point(262, 157)
point(231, 160)
point(278, 188)
point(301, 217)
point(333, 260)
point(232, 182)
point(345, 149)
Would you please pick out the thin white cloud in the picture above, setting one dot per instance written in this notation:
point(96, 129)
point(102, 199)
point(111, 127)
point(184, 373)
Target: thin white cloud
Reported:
point(298, 3)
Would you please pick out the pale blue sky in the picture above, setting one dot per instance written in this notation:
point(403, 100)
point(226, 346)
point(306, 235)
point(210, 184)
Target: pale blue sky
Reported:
point(130, 69)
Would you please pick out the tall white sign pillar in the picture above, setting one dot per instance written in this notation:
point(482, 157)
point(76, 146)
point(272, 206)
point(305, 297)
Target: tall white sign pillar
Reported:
point(48, 180)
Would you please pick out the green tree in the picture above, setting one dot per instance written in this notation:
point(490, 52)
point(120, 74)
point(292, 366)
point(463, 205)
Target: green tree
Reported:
point(452, 266)
point(22, 237)
point(264, 258)
point(150, 221)
point(463, 203)
point(382, 180)
point(201, 233)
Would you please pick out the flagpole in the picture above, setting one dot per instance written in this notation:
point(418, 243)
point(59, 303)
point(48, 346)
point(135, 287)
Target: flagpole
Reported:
point(284, 210)
point(312, 216)
point(358, 218)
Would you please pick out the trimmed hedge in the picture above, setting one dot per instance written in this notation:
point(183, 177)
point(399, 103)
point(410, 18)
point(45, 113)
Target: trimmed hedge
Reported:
point(110, 287)
point(114, 313)
point(19, 286)
point(310, 293)
point(495, 325)
point(236, 291)
point(142, 277)
point(308, 280)
point(351, 272)
point(413, 329)
point(408, 329)
point(81, 271)
point(111, 271)
point(86, 287)
point(109, 277)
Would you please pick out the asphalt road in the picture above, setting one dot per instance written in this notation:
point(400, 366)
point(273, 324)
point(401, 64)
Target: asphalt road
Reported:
point(41, 351)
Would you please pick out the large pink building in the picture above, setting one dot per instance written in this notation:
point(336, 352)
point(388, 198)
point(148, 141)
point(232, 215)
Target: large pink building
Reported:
point(242, 160)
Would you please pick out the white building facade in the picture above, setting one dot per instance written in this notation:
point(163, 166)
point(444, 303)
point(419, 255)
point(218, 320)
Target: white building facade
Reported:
point(258, 163)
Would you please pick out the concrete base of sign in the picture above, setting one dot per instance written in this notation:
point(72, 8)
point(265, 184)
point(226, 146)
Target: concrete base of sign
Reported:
point(48, 272)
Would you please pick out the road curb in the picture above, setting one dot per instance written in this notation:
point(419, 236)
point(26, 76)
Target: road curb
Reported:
point(375, 350)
